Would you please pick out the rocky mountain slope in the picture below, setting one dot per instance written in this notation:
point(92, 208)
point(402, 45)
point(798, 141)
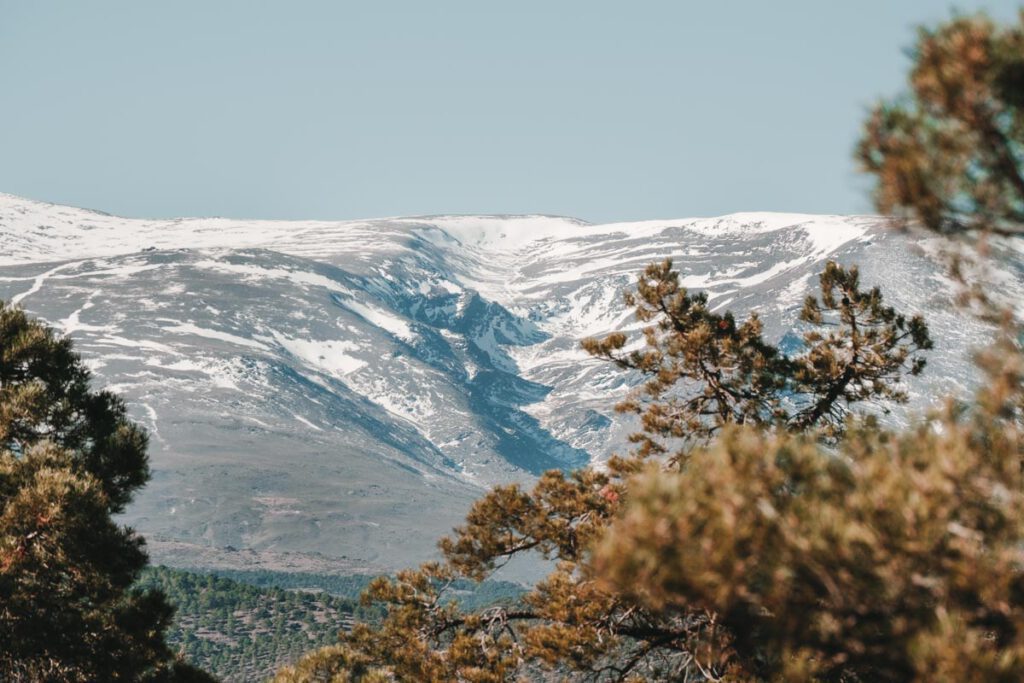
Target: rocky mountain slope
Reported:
point(331, 396)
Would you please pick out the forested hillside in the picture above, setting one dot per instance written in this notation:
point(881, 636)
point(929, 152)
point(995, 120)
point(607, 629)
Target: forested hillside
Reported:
point(242, 626)
point(241, 632)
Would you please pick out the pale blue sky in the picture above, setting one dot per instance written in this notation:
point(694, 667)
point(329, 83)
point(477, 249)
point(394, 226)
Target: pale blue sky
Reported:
point(302, 109)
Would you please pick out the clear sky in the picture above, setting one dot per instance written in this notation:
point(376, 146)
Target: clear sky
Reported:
point(335, 109)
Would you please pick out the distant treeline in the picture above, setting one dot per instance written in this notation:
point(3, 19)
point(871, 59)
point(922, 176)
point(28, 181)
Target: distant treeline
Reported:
point(244, 625)
point(469, 594)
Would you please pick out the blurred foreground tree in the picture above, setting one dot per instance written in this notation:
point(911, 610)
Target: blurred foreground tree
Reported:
point(894, 556)
point(69, 460)
point(898, 557)
point(950, 153)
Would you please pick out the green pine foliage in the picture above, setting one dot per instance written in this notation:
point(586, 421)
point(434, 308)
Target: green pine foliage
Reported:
point(706, 370)
point(857, 351)
point(70, 459)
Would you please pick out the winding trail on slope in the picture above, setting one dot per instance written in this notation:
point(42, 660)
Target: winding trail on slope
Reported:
point(38, 281)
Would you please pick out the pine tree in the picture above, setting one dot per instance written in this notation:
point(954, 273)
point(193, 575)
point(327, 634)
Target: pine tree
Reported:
point(867, 350)
point(948, 154)
point(706, 370)
point(732, 374)
point(705, 373)
point(70, 459)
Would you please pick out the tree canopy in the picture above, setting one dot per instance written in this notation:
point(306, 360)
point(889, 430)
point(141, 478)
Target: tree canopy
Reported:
point(705, 370)
point(70, 459)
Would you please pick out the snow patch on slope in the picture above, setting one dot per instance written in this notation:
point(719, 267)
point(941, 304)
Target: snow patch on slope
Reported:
point(385, 321)
point(329, 356)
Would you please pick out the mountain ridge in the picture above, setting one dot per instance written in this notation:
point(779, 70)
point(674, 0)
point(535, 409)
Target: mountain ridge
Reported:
point(346, 388)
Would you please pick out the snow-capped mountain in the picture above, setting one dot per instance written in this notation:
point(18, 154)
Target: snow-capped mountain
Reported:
point(332, 395)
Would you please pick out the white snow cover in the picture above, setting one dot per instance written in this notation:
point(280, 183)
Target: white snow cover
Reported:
point(329, 356)
point(405, 362)
point(38, 232)
point(385, 321)
point(563, 275)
